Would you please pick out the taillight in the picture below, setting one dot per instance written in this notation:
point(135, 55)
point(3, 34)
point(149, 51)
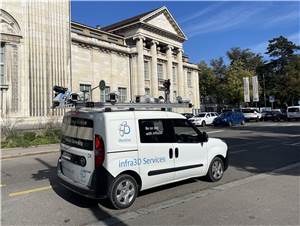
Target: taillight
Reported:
point(99, 150)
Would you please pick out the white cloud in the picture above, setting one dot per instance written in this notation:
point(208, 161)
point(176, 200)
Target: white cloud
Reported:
point(222, 21)
point(200, 13)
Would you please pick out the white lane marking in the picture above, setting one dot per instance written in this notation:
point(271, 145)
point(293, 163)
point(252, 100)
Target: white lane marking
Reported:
point(235, 152)
point(217, 131)
point(294, 144)
point(177, 201)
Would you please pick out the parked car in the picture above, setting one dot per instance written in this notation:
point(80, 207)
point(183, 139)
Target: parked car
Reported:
point(293, 112)
point(251, 114)
point(188, 115)
point(204, 118)
point(274, 115)
point(229, 118)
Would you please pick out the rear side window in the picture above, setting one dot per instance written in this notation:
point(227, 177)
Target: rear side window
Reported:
point(154, 131)
point(77, 132)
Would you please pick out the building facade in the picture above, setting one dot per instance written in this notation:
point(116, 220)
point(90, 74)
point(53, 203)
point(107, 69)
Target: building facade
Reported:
point(41, 47)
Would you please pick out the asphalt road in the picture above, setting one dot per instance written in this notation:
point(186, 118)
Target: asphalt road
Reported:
point(31, 195)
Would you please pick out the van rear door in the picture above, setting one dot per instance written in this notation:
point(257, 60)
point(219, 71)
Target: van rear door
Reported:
point(77, 148)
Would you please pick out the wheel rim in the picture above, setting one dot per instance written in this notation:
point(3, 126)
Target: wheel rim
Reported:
point(217, 170)
point(125, 192)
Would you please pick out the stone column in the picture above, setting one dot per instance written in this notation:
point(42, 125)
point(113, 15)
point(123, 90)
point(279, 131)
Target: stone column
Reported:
point(180, 83)
point(140, 66)
point(170, 69)
point(154, 78)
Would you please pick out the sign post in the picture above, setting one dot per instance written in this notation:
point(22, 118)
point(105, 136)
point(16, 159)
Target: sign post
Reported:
point(272, 100)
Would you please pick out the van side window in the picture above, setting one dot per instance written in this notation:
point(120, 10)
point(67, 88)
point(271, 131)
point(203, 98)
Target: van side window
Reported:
point(184, 132)
point(154, 131)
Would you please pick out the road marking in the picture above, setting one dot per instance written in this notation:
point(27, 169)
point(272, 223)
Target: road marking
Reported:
point(177, 201)
point(217, 131)
point(29, 191)
point(294, 144)
point(235, 152)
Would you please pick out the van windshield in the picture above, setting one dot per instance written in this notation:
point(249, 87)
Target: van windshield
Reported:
point(248, 110)
point(77, 132)
point(293, 109)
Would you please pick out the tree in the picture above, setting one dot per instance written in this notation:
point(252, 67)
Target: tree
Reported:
point(249, 59)
point(282, 71)
point(218, 67)
point(233, 88)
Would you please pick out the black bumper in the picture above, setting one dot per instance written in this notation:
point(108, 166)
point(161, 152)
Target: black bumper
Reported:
point(226, 161)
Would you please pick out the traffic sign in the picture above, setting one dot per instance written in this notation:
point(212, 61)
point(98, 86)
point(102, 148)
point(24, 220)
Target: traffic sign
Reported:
point(102, 85)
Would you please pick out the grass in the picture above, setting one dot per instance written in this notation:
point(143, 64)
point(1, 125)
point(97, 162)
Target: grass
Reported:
point(26, 139)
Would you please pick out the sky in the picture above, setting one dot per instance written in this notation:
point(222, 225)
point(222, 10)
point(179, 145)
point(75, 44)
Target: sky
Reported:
point(212, 28)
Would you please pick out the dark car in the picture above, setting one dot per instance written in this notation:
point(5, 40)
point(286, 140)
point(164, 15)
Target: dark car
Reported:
point(276, 115)
point(229, 118)
point(188, 115)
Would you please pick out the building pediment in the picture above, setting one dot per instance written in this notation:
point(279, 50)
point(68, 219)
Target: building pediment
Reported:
point(163, 19)
point(158, 19)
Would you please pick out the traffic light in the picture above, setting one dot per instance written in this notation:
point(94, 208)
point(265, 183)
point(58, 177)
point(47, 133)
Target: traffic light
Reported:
point(167, 85)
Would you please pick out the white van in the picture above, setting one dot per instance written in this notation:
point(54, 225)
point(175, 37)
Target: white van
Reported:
point(293, 112)
point(116, 154)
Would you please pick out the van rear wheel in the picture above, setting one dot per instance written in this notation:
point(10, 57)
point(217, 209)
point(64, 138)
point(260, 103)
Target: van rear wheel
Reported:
point(123, 191)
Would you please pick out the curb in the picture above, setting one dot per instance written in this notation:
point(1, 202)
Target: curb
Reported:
point(27, 154)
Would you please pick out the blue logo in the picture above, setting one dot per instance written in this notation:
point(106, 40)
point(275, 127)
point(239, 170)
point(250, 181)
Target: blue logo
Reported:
point(124, 129)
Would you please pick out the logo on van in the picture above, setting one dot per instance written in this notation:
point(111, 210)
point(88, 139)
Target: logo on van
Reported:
point(124, 129)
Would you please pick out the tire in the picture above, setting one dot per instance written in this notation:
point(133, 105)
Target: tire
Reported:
point(243, 122)
point(216, 170)
point(203, 124)
point(229, 123)
point(124, 186)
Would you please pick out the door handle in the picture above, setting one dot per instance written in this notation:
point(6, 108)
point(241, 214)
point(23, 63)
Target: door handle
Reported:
point(176, 153)
point(170, 153)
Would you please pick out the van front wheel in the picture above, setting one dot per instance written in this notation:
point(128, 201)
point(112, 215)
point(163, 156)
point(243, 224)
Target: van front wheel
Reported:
point(216, 170)
point(123, 192)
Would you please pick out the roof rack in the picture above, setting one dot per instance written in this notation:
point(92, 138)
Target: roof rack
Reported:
point(65, 98)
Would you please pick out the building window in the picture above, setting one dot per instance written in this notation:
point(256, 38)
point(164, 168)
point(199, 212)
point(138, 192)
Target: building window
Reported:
point(123, 95)
point(147, 91)
point(189, 79)
point(146, 70)
point(86, 88)
point(174, 74)
point(174, 94)
point(2, 55)
point(104, 94)
point(160, 72)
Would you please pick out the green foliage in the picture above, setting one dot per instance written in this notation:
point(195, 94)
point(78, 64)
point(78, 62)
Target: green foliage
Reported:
point(280, 75)
point(26, 139)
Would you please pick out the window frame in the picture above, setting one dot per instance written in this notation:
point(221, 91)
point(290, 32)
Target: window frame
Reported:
point(2, 63)
point(147, 72)
point(122, 98)
point(169, 138)
point(190, 125)
point(160, 72)
point(189, 79)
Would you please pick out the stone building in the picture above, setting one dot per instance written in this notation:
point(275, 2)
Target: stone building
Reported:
point(41, 47)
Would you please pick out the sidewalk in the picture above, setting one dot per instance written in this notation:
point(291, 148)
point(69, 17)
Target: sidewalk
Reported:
point(264, 199)
point(19, 152)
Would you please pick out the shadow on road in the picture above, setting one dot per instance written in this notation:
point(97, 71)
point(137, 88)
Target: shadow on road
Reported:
point(80, 201)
